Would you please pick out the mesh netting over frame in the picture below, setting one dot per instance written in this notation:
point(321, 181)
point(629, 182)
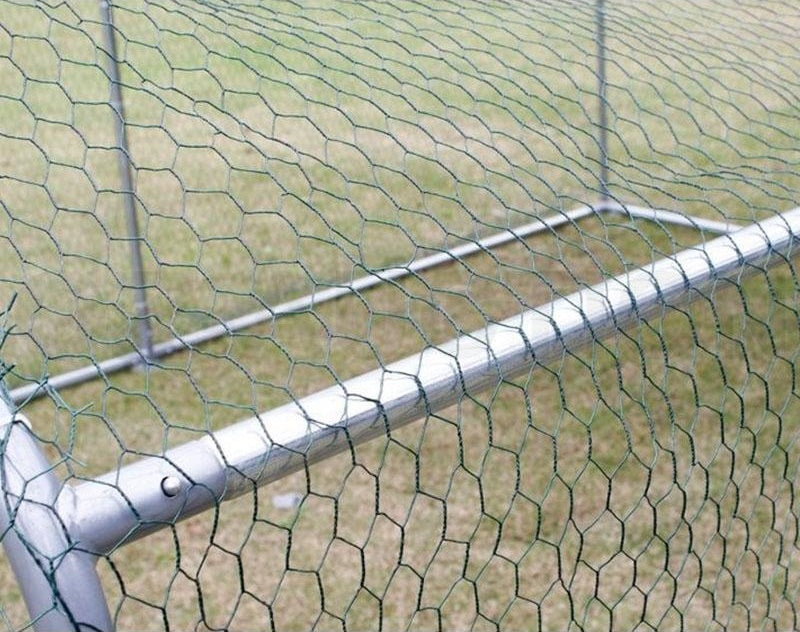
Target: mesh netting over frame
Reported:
point(281, 149)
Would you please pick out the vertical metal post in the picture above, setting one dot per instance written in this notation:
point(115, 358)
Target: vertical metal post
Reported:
point(602, 103)
point(57, 578)
point(125, 173)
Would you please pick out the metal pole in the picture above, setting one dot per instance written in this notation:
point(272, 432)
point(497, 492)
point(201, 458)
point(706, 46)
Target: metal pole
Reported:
point(128, 503)
point(304, 303)
point(125, 174)
point(58, 580)
point(602, 103)
point(661, 216)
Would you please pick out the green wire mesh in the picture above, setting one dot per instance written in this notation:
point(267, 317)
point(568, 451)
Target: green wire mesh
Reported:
point(282, 148)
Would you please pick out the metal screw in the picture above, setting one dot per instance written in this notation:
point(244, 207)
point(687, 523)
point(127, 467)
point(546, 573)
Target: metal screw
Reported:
point(171, 486)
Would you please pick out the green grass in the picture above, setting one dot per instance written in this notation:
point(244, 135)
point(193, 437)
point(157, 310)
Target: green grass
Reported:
point(646, 481)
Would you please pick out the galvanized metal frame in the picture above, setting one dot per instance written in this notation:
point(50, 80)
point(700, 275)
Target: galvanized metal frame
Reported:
point(58, 580)
point(128, 503)
point(50, 528)
point(147, 351)
point(145, 338)
point(54, 532)
point(304, 303)
point(602, 101)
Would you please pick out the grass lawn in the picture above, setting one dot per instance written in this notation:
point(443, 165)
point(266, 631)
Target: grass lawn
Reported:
point(647, 481)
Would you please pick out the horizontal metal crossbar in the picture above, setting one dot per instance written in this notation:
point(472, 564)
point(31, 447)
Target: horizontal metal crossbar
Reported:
point(126, 504)
point(304, 303)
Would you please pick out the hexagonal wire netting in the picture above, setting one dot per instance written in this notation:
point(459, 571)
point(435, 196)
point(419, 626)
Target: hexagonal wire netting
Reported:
point(399, 315)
